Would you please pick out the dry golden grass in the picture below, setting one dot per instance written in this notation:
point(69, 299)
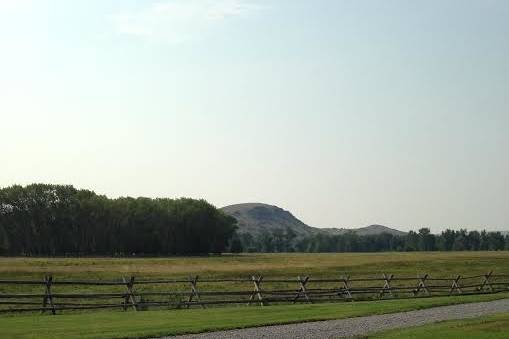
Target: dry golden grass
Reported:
point(438, 263)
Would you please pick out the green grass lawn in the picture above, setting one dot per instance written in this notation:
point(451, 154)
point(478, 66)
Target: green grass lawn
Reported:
point(117, 324)
point(492, 327)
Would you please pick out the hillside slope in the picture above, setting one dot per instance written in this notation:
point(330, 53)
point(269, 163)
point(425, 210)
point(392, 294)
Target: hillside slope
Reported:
point(255, 218)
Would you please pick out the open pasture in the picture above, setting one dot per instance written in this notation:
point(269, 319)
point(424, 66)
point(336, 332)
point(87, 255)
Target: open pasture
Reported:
point(279, 271)
point(273, 265)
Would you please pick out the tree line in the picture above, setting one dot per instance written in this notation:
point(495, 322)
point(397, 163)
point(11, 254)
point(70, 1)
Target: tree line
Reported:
point(281, 240)
point(50, 220)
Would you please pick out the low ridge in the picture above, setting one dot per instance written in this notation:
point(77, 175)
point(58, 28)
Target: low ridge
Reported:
point(256, 218)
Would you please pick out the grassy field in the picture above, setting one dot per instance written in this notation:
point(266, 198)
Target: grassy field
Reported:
point(333, 264)
point(104, 325)
point(492, 327)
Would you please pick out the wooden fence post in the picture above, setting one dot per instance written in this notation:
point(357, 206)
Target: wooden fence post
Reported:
point(486, 282)
point(346, 287)
point(194, 292)
point(422, 285)
point(455, 286)
point(256, 291)
point(387, 285)
point(302, 290)
point(129, 297)
point(48, 296)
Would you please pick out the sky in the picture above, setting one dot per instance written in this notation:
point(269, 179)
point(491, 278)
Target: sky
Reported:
point(344, 112)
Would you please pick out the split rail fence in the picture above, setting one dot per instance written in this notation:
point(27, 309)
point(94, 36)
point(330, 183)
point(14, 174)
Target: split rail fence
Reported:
point(54, 295)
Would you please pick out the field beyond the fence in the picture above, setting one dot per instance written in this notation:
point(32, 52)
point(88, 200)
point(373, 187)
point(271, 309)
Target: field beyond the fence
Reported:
point(283, 264)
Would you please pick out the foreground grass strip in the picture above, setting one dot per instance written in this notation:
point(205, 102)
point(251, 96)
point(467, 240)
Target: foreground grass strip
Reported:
point(491, 327)
point(103, 325)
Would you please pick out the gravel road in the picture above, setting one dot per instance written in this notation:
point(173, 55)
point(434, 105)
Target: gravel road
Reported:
point(361, 325)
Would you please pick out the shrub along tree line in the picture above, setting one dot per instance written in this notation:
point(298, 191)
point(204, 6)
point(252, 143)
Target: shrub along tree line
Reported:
point(42, 219)
point(423, 240)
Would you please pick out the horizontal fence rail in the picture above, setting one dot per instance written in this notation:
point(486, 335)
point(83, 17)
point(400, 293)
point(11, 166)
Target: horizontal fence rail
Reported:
point(129, 293)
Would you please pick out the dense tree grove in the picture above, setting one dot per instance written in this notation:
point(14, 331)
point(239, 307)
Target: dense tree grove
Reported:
point(424, 240)
point(44, 219)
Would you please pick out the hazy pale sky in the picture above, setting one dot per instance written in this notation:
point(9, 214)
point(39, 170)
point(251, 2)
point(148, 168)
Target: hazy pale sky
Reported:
point(345, 112)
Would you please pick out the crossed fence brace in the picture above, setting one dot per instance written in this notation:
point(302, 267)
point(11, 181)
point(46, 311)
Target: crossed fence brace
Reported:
point(194, 293)
point(421, 286)
point(129, 297)
point(302, 291)
point(486, 283)
point(345, 289)
point(455, 286)
point(48, 296)
point(387, 285)
point(257, 280)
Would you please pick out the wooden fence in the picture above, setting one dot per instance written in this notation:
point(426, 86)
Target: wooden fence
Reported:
point(140, 294)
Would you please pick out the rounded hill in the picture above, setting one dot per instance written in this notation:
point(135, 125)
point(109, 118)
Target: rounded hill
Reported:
point(255, 218)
